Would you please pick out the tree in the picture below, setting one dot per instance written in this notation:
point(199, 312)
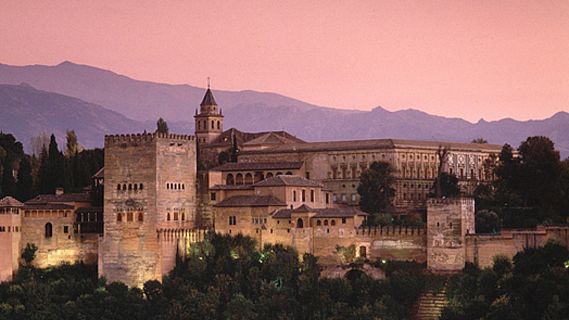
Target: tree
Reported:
point(29, 253)
point(376, 188)
point(479, 140)
point(539, 172)
point(39, 142)
point(446, 185)
point(56, 167)
point(72, 146)
point(25, 184)
point(161, 126)
point(442, 154)
point(487, 222)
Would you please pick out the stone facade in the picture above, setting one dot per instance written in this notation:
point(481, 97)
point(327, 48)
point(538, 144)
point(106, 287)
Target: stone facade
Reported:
point(149, 205)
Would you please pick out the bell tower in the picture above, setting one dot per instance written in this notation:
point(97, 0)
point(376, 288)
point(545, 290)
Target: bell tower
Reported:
point(209, 120)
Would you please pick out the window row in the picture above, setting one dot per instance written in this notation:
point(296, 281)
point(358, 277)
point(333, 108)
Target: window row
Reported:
point(414, 196)
point(344, 197)
point(9, 211)
point(175, 186)
point(130, 186)
point(363, 157)
point(325, 222)
point(248, 178)
point(130, 217)
point(202, 124)
point(259, 220)
point(9, 229)
point(303, 196)
point(232, 220)
point(176, 216)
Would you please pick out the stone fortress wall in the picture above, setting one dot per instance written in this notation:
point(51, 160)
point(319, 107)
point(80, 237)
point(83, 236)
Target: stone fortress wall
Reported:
point(149, 205)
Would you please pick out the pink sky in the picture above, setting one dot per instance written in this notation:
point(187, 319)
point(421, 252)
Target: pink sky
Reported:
point(471, 59)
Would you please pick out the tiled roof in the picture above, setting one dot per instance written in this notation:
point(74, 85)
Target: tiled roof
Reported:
point(344, 212)
point(47, 206)
point(208, 99)
point(66, 197)
point(232, 187)
point(287, 180)
point(10, 202)
point(246, 166)
point(250, 201)
point(374, 144)
point(224, 139)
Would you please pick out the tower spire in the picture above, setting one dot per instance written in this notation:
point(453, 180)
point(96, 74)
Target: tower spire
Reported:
point(208, 84)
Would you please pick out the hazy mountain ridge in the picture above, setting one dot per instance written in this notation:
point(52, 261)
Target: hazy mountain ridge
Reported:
point(246, 110)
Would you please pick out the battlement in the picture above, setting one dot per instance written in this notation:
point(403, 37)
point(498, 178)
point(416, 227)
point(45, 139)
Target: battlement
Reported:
point(397, 231)
point(450, 201)
point(145, 137)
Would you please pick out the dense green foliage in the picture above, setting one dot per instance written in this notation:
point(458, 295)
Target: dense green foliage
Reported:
point(161, 126)
point(530, 188)
point(376, 188)
point(23, 176)
point(223, 278)
point(536, 286)
point(447, 185)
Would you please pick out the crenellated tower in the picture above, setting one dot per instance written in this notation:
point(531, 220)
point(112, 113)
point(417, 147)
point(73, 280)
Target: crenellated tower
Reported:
point(209, 120)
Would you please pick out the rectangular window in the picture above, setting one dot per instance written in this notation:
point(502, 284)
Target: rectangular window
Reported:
point(343, 220)
point(343, 197)
point(65, 229)
point(353, 197)
point(327, 198)
point(129, 216)
point(307, 175)
point(303, 195)
point(232, 220)
point(311, 195)
point(212, 196)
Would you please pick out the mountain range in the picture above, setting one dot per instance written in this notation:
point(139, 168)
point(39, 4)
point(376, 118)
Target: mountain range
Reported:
point(94, 101)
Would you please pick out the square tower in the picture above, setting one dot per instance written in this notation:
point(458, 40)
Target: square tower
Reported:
point(448, 222)
point(150, 184)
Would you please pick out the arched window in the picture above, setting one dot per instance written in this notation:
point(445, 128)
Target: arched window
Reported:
point(118, 186)
point(311, 195)
point(124, 186)
point(199, 125)
point(130, 186)
point(299, 223)
point(293, 195)
point(363, 252)
point(183, 216)
point(279, 173)
point(135, 187)
point(119, 217)
point(239, 179)
point(141, 187)
point(318, 222)
point(230, 180)
point(168, 216)
point(325, 222)
point(48, 230)
point(140, 217)
point(332, 222)
point(212, 124)
point(175, 216)
point(269, 175)
point(218, 125)
point(258, 176)
point(288, 173)
point(248, 178)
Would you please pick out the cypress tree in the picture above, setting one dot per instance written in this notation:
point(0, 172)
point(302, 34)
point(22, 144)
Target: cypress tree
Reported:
point(25, 181)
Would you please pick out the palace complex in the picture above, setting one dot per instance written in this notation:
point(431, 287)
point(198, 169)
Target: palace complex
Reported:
point(163, 191)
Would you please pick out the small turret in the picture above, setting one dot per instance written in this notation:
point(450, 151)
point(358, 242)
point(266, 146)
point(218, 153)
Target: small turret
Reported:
point(209, 121)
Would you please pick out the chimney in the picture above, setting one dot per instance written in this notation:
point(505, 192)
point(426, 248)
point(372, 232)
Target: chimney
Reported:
point(59, 191)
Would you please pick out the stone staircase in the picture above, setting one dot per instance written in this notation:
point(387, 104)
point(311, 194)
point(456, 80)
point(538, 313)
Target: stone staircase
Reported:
point(430, 305)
